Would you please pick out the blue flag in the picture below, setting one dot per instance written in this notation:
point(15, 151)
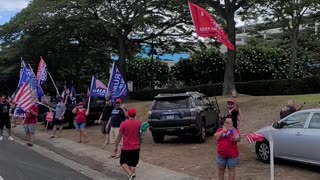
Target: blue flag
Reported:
point(117, 87)
point(97, 89)
point(25, 76)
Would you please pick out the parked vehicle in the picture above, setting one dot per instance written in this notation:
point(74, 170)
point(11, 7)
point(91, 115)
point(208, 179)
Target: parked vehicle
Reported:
point(96, 107)
point(296, 137)
point(182, 114)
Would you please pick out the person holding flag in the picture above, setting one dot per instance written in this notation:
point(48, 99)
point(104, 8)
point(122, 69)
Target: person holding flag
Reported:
point(30, 123)
point(227, 139)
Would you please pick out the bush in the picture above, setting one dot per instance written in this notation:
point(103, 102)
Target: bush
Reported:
point(144, 71)
point(148, 95)
point(255, 88)
point(202, 68)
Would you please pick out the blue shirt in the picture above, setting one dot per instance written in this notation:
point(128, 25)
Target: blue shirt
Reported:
point(117, 117)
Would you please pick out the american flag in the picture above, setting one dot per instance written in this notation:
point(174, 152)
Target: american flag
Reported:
point(254, 137)
point(26, 97)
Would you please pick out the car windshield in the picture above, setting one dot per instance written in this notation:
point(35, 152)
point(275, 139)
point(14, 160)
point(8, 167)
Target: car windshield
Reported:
point(171, 103)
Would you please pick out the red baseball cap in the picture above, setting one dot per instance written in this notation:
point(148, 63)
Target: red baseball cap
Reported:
point(234, 101)
point(132, 112)
point(118, 100)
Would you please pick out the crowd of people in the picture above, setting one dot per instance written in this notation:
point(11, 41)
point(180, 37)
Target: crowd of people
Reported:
point(122, 129)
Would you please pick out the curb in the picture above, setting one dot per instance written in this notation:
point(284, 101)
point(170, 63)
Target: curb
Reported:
point(98, 159)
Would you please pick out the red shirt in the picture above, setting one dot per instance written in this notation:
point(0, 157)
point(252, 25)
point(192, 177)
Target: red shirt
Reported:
point(30, 118)
point(227, 147)
point(130, 130)
point(81, 115)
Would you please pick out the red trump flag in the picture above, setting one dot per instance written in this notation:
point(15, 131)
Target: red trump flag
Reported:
point(206, 26)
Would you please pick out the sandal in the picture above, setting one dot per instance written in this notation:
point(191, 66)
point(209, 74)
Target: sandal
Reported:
point(132, 176)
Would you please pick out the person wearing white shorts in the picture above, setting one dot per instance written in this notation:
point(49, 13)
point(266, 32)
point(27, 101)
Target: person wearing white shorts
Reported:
point(118, 115)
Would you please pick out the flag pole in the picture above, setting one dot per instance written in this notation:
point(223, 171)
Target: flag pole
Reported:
point(271, 156)
point(54, 84)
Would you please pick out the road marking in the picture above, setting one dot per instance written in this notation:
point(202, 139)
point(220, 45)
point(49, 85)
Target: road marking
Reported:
point(1, 178)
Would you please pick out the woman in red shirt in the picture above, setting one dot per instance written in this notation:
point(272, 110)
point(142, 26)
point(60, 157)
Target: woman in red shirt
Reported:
point(80, 121)
point(227, 148)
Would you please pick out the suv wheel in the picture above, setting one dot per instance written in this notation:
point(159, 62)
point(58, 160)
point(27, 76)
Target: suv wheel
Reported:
point(157, 138)
point(202, 133)
point(263, 151)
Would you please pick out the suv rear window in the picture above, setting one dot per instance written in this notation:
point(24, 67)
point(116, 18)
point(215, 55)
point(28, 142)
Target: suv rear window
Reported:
point(171, 103)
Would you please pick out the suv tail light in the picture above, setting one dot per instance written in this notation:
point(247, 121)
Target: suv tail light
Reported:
point(149, 114)
point(193, 111)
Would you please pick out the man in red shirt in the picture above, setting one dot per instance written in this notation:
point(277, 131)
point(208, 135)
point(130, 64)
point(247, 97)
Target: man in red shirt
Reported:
point(129, 131)
point(30, 124)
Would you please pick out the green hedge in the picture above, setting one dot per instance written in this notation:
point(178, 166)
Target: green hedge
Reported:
point(256, 88)
point(149, 94)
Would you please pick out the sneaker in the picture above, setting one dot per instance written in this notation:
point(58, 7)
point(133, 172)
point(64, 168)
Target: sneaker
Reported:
point(132, 176)
point(1, 138)
point(10, 138)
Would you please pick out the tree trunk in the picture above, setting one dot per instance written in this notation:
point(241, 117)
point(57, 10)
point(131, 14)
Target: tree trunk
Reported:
point(121, 63)
point(294, 44)
point(228, 83)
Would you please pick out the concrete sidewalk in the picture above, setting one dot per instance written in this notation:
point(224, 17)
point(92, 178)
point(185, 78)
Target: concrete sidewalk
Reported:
point(98, 159)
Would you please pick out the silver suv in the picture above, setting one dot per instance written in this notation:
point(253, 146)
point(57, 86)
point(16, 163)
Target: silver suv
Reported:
point(182, 114)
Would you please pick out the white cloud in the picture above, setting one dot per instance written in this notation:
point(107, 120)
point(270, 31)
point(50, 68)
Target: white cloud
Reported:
point(13, 5)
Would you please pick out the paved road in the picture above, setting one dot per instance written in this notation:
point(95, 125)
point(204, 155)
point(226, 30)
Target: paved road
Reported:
point(18, 162)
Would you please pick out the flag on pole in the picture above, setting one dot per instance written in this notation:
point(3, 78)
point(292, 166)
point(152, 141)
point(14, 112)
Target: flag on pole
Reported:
point(254, 137)
point(73, 95)
point(97, 89)
point(28, 75)
point(42, 72)
point(206, 26)
point(117, 87)
point(26, 97)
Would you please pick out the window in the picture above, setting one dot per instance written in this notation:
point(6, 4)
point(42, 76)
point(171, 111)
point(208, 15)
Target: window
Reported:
point(295, 121)
point(171, 103)
point(315, 121)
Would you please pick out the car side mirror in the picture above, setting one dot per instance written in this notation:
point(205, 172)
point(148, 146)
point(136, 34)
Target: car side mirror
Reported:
point(276, 125)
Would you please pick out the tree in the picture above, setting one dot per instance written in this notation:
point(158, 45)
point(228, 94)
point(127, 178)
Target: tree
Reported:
point(227, 10)
point(130, 23)
point(290, 13)
point(202, 68)
point(143, 71)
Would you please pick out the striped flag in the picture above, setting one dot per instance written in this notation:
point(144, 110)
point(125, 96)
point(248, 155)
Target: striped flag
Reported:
point(42, 72)
point(26, 97)
point(254, 137)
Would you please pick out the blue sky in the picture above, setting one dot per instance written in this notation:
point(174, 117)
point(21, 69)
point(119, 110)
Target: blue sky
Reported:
point(8, 8)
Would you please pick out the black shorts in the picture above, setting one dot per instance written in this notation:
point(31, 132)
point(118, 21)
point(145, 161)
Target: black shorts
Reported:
point(130, 157)
point(5, 123)
point(57, 121)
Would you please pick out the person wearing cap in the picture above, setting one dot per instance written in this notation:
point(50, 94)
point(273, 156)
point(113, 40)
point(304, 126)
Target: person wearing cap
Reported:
point(234, 112)
point(129, 132)
point(104, 119)
point(58, 117)
point(118, 115)
point(80, 122)
point(30, 123)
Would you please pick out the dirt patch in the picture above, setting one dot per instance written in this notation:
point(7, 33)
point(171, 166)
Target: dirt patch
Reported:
point(186, 156)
